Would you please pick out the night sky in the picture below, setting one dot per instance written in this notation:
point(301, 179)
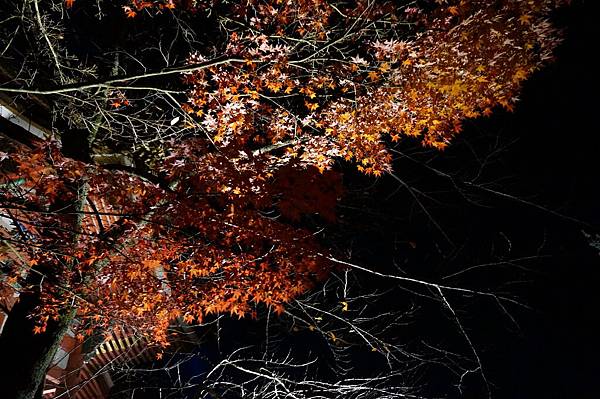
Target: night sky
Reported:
point(546, 153)
point(555, 163)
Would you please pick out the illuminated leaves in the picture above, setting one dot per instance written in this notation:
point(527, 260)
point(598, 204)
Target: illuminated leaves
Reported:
point(182, 255)
point(118, 100)
point(453, 10)
point(311, 106)
point(151, 264)
point(129, 12)
point(299, 85)
point(469, 57)
point(525, 19)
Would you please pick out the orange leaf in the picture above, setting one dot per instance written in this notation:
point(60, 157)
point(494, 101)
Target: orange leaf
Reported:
point(453, 10)
point(311, 106)
point(373, 76)
point(151, 263)
point(525, 19)
point(129, 12)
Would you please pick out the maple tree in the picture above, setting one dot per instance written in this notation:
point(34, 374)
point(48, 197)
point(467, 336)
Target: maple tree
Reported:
point(235, 146)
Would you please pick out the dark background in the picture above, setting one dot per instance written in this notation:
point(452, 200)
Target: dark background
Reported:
point(545, 153)
point(555, 161)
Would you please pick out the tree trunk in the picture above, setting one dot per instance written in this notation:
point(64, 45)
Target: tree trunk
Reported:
point(24, 372)
point(25, 357)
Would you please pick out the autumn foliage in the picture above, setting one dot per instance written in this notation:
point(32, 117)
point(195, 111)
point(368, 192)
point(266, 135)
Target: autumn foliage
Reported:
point(292, 87)
point(170, 254)
point(282, 84)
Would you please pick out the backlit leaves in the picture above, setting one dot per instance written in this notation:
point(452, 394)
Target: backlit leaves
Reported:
point(348, 100)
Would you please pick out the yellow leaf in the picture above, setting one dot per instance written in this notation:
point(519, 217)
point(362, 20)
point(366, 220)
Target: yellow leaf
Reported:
point(311, 106)
point(345, 117)
point(274, 86)
point(384, 67)
point(520, 74)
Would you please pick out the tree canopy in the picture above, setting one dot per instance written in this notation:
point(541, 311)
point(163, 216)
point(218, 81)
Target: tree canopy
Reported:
point(193, 145)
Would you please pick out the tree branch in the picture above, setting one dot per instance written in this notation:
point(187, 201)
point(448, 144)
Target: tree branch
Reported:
point(110, 83)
